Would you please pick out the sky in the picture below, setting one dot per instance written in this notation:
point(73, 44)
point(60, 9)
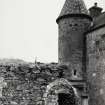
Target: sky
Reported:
point(28, 28)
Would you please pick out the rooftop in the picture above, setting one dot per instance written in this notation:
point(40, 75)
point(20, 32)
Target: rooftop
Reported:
point(74, 7)
point(99, 21)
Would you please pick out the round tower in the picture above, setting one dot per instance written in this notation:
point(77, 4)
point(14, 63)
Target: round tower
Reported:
point(73, 22)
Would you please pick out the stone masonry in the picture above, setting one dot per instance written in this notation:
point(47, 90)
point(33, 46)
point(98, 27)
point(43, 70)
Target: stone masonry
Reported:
point(79, 76)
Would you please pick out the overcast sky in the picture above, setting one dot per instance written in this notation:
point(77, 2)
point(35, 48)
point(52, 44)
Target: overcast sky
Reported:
point(28, 28)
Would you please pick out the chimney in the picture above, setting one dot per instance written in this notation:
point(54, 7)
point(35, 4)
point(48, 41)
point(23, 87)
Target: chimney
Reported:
point(95, 11)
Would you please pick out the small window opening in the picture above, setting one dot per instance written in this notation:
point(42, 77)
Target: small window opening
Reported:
point(70, 25)
point(75, 72)
point(97, 43)
point(103, 36)
point(76, 24)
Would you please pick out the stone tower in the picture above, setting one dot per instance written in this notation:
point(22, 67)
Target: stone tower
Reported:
point(73, 21)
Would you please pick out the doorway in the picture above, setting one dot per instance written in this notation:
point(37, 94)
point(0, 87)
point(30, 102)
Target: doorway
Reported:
point(66, 99)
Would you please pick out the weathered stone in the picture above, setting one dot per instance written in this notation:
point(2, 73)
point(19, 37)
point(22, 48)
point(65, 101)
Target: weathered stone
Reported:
point(96, 67)
point(20, 87)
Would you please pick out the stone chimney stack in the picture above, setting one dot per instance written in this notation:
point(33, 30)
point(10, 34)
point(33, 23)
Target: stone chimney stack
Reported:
point(95, 11)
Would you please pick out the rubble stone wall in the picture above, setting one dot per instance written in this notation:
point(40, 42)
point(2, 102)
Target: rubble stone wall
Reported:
point(24, 85)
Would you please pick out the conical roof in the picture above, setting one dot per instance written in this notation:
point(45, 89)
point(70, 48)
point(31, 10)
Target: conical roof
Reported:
point(74, 7)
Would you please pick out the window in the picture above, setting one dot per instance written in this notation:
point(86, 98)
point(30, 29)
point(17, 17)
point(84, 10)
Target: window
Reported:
point(103, 36)
point(70, 25)
point(75, 72)
point(97, 43)
point(75, 24)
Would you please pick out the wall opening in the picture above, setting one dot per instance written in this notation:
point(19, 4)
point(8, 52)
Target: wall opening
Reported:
point(60, 92)
point(65, 99)
point(75, 72)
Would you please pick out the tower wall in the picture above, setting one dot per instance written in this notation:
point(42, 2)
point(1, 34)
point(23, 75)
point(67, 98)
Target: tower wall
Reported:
point(96, 66)
point(71, 44)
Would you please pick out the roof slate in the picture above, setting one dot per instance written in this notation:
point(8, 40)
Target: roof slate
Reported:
point(74, 7)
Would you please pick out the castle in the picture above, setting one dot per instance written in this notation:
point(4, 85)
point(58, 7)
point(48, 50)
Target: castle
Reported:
point(79, 76)
point(82, 48)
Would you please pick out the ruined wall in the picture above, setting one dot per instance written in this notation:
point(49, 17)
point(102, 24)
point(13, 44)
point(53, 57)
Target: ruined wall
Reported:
point(96, 66)
point(71, 44)
point(61, 92)
point(24, 85)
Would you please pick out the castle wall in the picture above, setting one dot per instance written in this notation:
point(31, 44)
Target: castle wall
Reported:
point(24, 85)
point(71, 44)
point(96, 66)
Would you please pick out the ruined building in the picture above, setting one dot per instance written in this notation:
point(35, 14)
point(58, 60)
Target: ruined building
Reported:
point(82, 49)
point(79, 76)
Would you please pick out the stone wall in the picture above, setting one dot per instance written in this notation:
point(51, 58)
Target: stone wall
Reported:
point(71, 44)
point(25, 85)
point(96, 66)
